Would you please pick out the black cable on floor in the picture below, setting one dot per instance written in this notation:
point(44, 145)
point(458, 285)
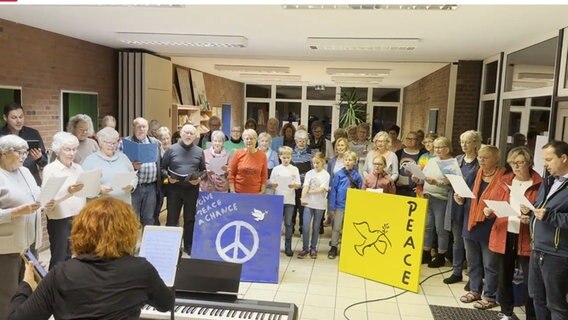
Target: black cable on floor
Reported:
point(393, 296)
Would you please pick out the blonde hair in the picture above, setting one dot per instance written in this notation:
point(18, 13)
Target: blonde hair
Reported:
point(445, 141)
point(350, 154)
point(285, 150)
point(318, 156)
point(521, 151)
point(489, 149)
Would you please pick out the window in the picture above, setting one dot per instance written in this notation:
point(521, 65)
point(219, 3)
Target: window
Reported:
point(288, 111)
point(321, 93)
point(531, 67)
point(288, 92)
point(383, 118)
point(8, 95)
point(487, 121)
point(80, 103)
point(386, 95)
point(490, 78)
point(258, 91)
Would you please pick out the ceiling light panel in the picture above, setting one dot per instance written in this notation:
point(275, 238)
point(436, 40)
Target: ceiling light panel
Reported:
point(182, 40)
point(429, 7)
point(250, 68)
point(344, 79)
point(382, 44)
point(271, 77)
point(358, 71)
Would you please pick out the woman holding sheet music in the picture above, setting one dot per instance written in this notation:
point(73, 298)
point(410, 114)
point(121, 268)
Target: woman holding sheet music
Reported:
point(18, 214)
point(103, 280)
point(436, 188)
point(60, 217)
point(510, 239)
point(477, 227)
point(111, 162)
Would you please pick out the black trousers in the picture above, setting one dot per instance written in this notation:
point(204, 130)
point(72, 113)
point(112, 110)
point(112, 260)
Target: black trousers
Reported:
point(298, 210)
point(183, 196)
point(59, 245)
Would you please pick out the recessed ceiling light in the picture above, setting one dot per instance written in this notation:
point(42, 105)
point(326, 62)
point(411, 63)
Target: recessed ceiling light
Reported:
point(383, 44)
point(182, 40)
point(250, 68)
point(271, 77)
point(358, 71)
point(429, 7)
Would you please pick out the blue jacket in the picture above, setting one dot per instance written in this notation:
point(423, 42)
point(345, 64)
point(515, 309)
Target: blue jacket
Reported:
point(339, 186)
point(550, 235)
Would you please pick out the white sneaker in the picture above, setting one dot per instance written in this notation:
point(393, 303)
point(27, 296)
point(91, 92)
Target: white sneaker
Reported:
point(504, 317)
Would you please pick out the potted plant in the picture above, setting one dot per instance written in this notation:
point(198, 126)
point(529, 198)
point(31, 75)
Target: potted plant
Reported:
point(352, 111)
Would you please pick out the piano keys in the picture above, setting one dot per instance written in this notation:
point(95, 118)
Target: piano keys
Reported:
point(192, 309)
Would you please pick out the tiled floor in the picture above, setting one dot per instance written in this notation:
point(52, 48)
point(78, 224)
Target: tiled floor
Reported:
point(321, 292)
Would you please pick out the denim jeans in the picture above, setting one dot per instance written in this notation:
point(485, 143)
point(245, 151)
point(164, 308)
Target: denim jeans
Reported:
point(435, 225)
point(337, 226)
point(288, 227)
point(458, 247)
point(144, 202)
point(311, 216)
point(481, 262)
point(548, 285)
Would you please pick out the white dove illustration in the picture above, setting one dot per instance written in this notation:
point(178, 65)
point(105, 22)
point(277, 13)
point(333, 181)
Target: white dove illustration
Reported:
point(258, 215)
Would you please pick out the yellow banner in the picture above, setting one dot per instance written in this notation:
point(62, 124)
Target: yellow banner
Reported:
point(382, 239)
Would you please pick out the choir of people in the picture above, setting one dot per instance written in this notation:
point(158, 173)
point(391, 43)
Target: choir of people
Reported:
point(318, 173)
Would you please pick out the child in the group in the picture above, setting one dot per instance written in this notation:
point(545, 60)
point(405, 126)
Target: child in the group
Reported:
point(346, 178)
point(379, 178)
point(289, 173)
point(316, 184)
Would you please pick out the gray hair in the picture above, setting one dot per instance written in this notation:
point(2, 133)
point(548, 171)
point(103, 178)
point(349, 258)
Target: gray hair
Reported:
point(12, 142)
point(61, 139)
point(162, 131)
point(264, 135)
point(107, 133)
point(108, 118)
point(217, 134)
point(250, 133)
point(74, 121)
point(383, 134)
point(300, 134)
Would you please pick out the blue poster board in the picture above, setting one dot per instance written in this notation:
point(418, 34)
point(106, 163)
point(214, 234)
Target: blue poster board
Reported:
point(241, 228)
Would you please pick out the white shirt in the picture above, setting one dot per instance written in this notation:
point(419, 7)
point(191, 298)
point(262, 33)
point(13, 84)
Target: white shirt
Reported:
point(313, 181)
point(285, 173)
point(69, 207)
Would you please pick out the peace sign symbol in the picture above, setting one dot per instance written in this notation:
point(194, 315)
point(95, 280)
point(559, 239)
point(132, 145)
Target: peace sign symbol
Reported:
point(230, 253)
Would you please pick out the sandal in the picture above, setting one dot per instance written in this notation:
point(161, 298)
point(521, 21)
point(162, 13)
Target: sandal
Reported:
point(484, 304)
point(470, 297)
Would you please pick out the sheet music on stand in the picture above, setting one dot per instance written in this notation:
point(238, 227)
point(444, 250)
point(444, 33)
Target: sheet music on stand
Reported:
point(160, 246)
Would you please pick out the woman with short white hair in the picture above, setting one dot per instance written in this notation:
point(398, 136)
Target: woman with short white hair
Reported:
point(248, 168)
point(264, 144)
point(111, 162)
point(81, 126)
point(215, 179)
point(18, 213)
point(60, 217)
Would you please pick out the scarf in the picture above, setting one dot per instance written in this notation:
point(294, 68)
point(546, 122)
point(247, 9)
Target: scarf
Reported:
point(477, 205)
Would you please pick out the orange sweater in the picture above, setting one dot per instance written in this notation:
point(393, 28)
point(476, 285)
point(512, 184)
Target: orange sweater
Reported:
point(248, 171)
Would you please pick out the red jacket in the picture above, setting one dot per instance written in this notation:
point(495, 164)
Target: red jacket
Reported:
point(498, 235)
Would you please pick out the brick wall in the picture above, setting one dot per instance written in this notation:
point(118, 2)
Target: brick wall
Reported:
point(220, 90)
point(428, 92)
point(467, 99)
point(44, 63)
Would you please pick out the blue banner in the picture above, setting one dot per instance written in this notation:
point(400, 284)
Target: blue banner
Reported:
point(241, 228)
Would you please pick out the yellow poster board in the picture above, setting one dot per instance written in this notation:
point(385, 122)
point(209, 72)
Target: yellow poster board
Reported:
point(383, 236)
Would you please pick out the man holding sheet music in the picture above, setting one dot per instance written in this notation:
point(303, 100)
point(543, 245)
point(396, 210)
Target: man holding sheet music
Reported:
point(147, 165)
point(548, 272)
point(184, 165)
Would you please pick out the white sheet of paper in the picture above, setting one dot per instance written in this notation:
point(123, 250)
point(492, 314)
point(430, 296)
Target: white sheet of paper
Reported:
point(216, 165)
point(160, 246)
point(50, 189)
point(502, 208)
point(283, 182)
point(538, 161)
point(378, 190)
point(520, 198)
point(449, 166)
point(415, 170)
point(122, 179)
point(514, 225)
point(92, 183)
point(460, 187)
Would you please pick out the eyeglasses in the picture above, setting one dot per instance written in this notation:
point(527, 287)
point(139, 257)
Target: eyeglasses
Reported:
point(22, 153)
point(517, 163)
point(109, 143)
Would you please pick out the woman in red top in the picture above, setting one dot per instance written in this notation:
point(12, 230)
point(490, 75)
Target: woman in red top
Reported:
point(510, 237)
point(248, 170)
